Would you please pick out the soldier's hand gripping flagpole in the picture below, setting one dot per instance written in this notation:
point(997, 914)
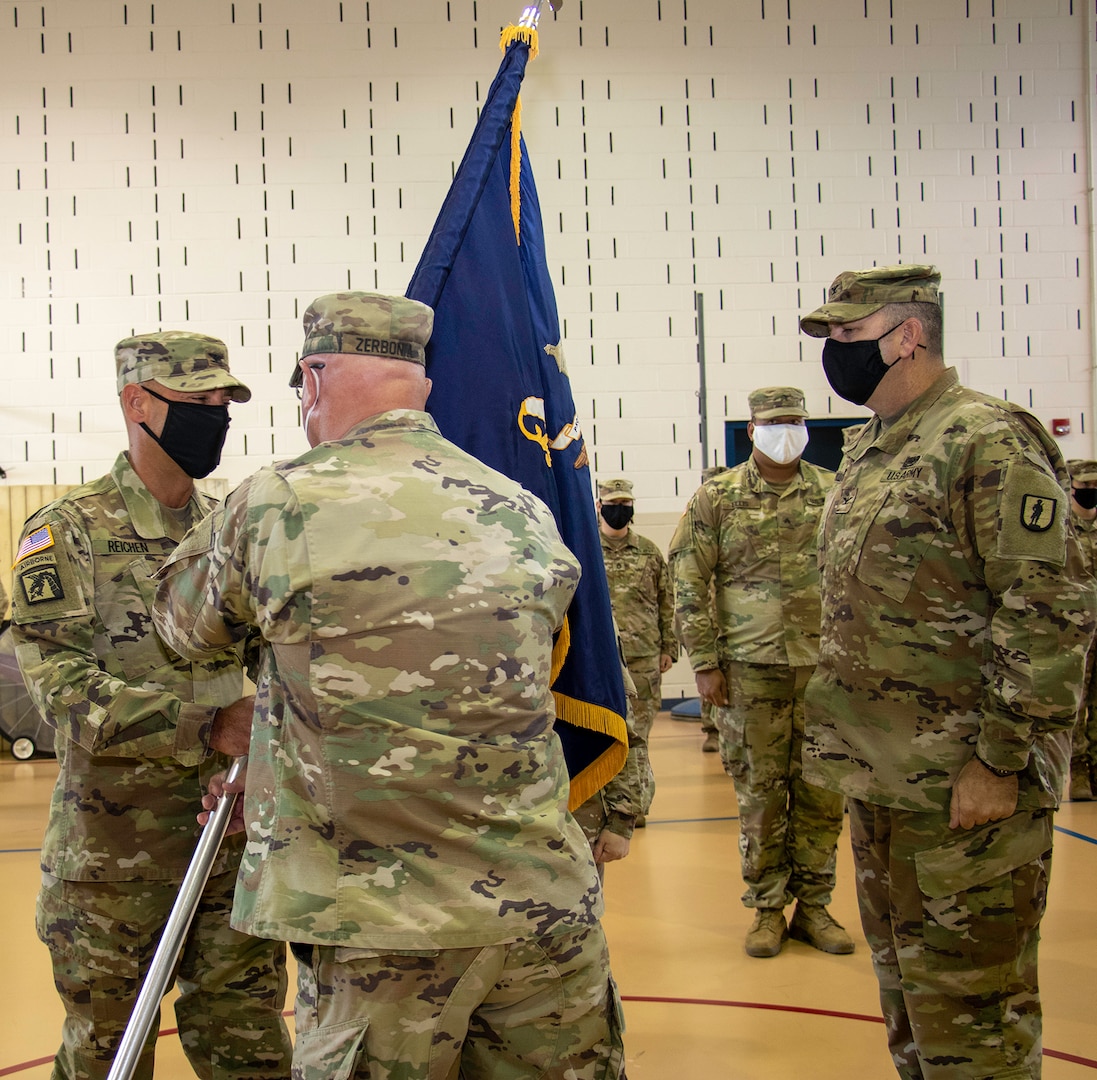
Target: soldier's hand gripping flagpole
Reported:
point(147, 1007)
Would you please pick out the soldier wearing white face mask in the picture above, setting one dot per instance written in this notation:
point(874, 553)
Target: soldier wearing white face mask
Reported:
point(752, 532)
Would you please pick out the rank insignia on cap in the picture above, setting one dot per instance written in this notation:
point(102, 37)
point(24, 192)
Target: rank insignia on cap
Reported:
point(39, 540)
point(42, 583)
point(1038, 512)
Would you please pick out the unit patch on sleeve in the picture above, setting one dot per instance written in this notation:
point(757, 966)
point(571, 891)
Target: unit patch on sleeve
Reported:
point(47, 586)
point(41, 583)
point(1037, 512)
point(1031, 521)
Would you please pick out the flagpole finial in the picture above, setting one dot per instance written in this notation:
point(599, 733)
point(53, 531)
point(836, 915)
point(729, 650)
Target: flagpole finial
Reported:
point(531, 16)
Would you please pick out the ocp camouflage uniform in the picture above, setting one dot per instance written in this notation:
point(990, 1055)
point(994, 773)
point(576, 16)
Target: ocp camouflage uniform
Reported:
point(132, 721)
point(755, 544)
point(407, 793)
point(643, 606)
point(1083, 750)
point(618, 804)
point(957, 612)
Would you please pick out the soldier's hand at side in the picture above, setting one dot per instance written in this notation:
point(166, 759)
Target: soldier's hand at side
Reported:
point(665, 663)
point(712, 686)
point(978, 796)
point(217, 787)
point(231, 729)
point(609, 847)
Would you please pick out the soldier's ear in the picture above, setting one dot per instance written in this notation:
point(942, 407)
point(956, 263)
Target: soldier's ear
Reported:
point(134, 403)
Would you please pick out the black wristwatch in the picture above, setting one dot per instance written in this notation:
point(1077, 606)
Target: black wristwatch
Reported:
point(1000, 773)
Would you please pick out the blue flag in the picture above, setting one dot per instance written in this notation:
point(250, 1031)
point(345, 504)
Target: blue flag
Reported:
point(502, 393)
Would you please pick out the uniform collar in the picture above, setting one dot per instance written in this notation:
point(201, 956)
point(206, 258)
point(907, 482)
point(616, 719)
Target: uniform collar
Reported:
point(393, 420)
point(759, 483)
point(628, 540)
point(893, 438)
point(150, 520)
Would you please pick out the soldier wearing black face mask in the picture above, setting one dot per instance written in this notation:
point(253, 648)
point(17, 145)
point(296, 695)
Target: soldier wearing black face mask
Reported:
point(641, 597)
point(1083, 750)
point(957, 612)
point(139, 732)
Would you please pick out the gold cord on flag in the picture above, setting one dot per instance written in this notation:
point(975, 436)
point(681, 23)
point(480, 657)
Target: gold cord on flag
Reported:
point(511, 34)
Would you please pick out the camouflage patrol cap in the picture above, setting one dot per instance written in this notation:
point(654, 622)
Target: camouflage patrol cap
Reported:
point(179, 360)
point(366, 324)
point(1082, 469)
point(771, 401)
point(855, 294)
point(615, 490)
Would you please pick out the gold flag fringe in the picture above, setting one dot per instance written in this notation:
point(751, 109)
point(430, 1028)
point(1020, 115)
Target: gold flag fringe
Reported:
point(529, 35)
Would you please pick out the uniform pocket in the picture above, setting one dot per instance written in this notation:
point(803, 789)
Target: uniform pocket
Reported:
point(89, 938)
point(895, 541)
point(329, 1053)
point(983, 891)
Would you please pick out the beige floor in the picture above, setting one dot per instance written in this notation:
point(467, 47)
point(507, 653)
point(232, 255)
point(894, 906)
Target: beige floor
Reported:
point(697, 1007)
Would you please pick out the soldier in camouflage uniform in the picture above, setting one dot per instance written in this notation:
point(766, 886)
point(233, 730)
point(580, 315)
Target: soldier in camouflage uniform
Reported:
point(138, 729)
point(711, 742)
point(609, 816)
point(747, 546)
point(406, 796)
point(1083, 756)
point(639, 590)
point(957, 613)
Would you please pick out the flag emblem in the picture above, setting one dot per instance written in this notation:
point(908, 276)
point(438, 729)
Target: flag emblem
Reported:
point(39, 540)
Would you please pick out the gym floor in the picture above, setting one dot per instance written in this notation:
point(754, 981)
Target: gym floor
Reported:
point(697, 1007)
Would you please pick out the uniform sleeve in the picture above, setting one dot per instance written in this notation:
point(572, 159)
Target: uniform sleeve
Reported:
point(203, 604)
point(694, 551)
point(668, 641)
point(1042, 611)
point(54, 628)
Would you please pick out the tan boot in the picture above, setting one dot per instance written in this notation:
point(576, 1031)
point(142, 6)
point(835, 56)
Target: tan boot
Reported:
point(768, 933)
point(813, 924)
point(1081, 789)
point(711, 745)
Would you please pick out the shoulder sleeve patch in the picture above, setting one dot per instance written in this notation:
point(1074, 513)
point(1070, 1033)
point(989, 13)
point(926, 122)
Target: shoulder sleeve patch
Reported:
point(1033, 516)
point(46, 584)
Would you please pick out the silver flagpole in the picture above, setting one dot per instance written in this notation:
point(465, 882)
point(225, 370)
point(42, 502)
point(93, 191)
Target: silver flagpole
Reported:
point(147, 1007)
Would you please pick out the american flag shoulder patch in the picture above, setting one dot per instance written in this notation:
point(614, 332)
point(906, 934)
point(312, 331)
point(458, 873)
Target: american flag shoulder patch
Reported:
point(39, 540)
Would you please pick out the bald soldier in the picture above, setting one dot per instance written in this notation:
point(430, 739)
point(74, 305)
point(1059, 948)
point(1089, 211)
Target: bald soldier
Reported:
point(139, 732)
point(746, 585)
point(1083, 754)
point(406, 798)
point(957, 612)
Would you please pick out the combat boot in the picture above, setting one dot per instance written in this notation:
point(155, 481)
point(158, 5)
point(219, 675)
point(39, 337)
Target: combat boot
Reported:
point(815, 925)
point(1081, 788)
point(768, 933)
point(711, 745)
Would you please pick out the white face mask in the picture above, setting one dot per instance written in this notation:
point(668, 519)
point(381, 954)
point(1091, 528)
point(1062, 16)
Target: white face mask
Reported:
point(782, 443)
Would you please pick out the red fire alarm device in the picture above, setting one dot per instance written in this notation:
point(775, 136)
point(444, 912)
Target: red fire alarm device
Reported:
point(1060, 427)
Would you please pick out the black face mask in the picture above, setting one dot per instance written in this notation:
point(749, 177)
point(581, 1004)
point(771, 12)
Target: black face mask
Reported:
point(193, 434)
point(1086, 498)
point(855, 368)
point(616, 515)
